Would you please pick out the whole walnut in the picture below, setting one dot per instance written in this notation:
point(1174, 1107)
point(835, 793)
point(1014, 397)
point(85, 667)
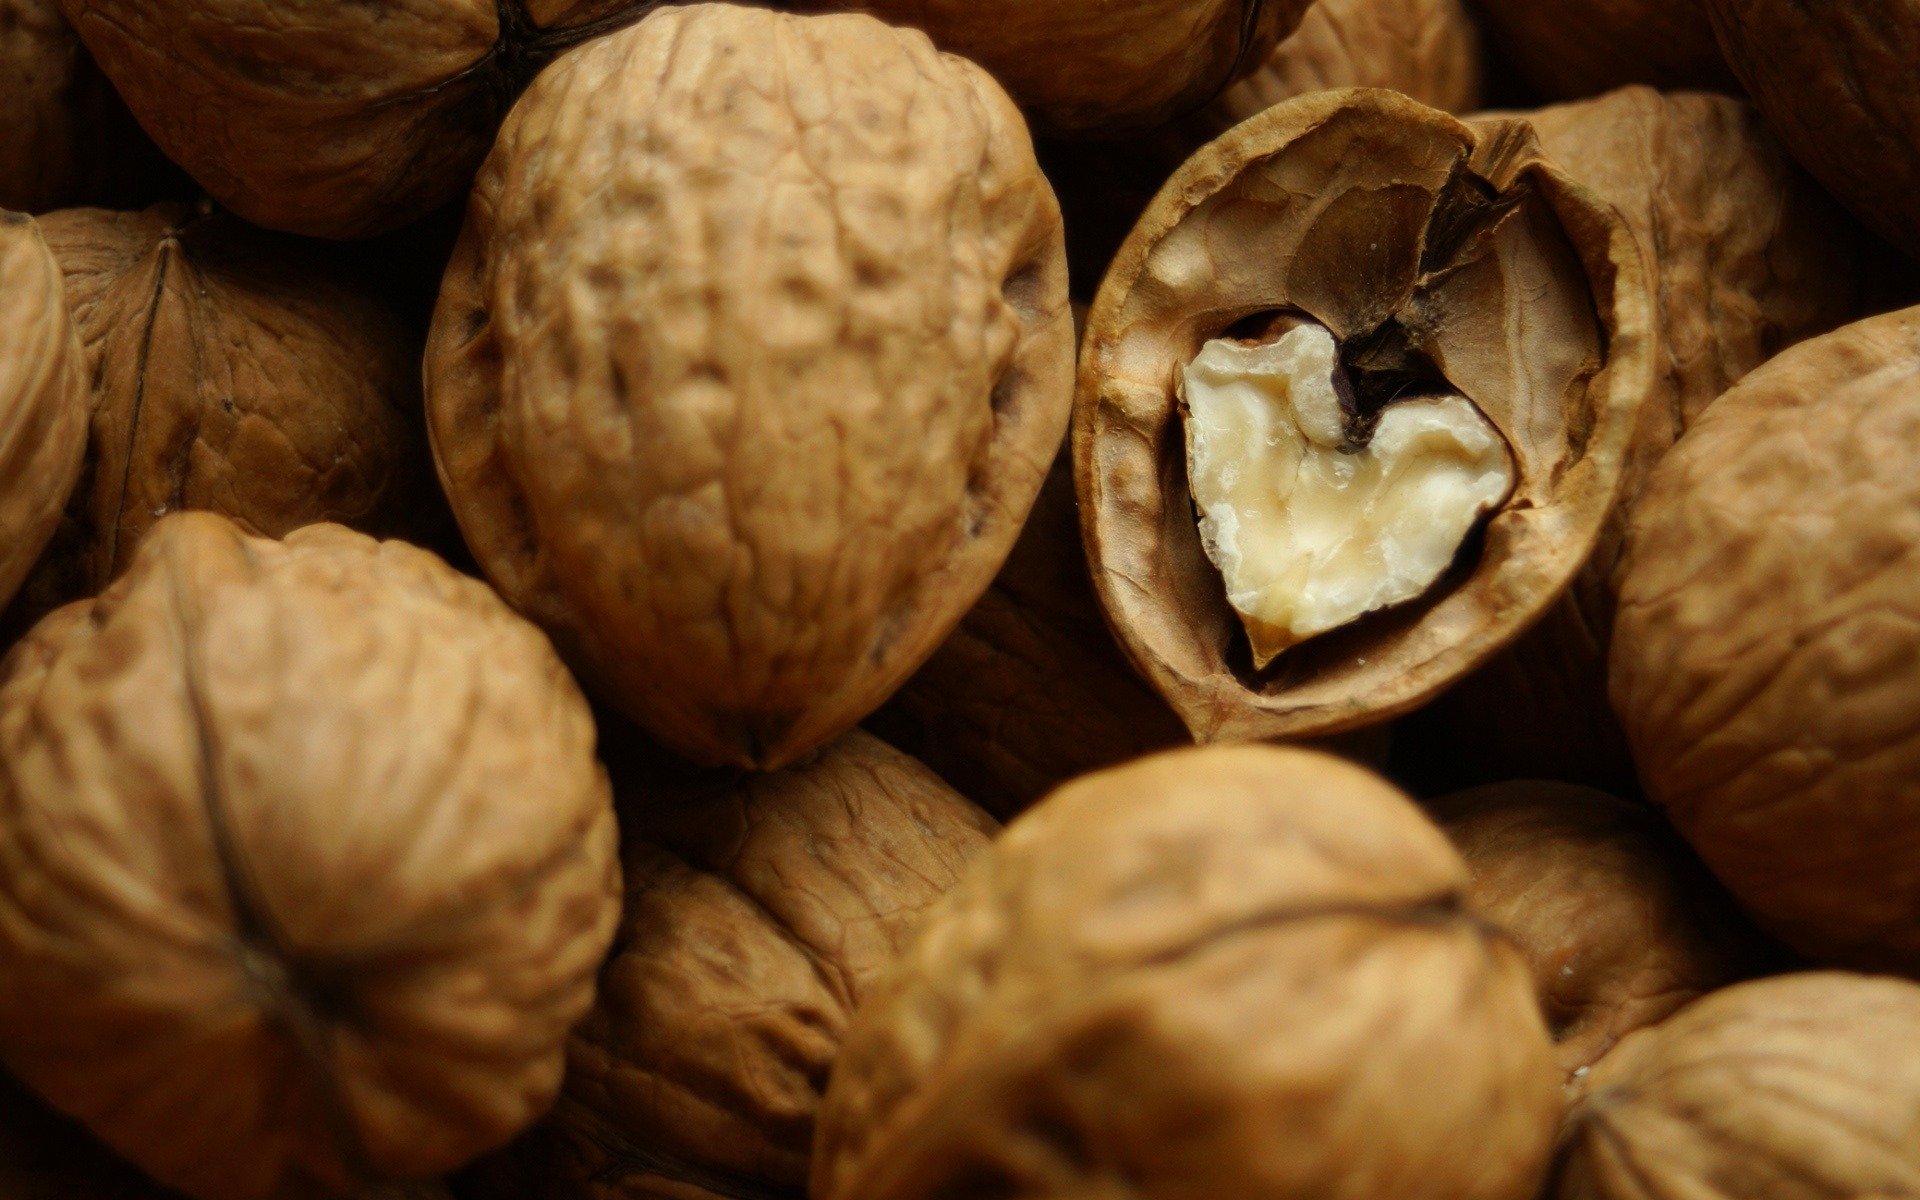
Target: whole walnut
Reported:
point(1762, 657)
point(759, 909)
point(1836, 82)
point(1237, 971)
point(749, 364)
point(1620, 923)
point(1440, 345)
point(1783, 1089)
point(234, 371)
point(1100, 67)
point(306, 863)
point(1570, 49)
point(43, 400)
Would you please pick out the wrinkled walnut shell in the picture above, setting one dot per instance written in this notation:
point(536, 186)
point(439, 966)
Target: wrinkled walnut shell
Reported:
point(1762, 656)
point(1836, 82)
point(1220, 972)
point(1531, 302)
point(306, 864)
point(758, 911)
point(1783, 1089)
point(1620, 923)
point(43, 400)
point(749, 481)
point(1568, 49)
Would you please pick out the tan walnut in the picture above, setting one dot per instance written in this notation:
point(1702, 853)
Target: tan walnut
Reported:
point(1407, 292)
point(1836, 83)
point(1761, 655)
point(1620, 923)
point(750, 362)
point(1569, 49)
point(1799, 1086)
point(43, 400)
point(233, 371)
point(759, 909)
point(306, 863)
point(1230, 971)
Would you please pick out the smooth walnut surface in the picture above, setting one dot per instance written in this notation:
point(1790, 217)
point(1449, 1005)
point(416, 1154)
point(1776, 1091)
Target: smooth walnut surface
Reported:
point(1451, 259)
point(1238, 971)
point(43, 400)
point(1836, 82)
point(1762, 657)
point(759, 910)
point(235, 372)
point(1803, 1087)
point(1569, 49)
point(1620, 923)
point(306, 863)
point(750, 362)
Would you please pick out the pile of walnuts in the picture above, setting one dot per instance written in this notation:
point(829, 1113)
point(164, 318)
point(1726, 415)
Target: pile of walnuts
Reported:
point(959, 599)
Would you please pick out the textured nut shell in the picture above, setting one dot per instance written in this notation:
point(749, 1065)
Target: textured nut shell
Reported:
point(235, 373)
point(1762, 655)
point(1224, 972)
point(1082, 67)
point(1030, 691)
point(1803, 1087)
point(758, 911)
point(1323, 205)
point(750, 417)
point(43, 400)
point(306, 864)
point(1620, 923)
point(1573, 48)
point(1836, 82)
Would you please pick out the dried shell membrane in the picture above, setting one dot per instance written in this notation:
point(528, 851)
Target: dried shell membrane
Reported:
point(1762, 656)
point(43, 400)
point(1438, 257)
point(306, 864)
point(1800, 1086)
point(1220, 972)
point(759, 909)
point(749, 480)
point(1574, 48)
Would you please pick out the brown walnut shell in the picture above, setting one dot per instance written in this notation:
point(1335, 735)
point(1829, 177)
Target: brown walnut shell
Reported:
point(43, 400)
point(759, 909)
point(1762, 657)
point(1390, 224)
point(750, 479)
point(233, 372)
point(1837, 83)
point(1620, 923)
point(1569, 49)
point(1223, 972)
point(1802, 1087)
point(306, 863)
point(1100, 67)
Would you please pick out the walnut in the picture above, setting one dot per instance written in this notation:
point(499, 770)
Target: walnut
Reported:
point(1100, 67)
point(749, 418)
point(43, 400)
point(1575, 48)
point(1836, 83)
point(1224, 972)
point(1620, 923)
point(1799, 1086)
point(233, 372)
point(1494, 335)
point(1761, 658)
point(306, 863)
point(758, 911)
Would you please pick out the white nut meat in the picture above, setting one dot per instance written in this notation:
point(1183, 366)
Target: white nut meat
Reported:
point(1312, 522)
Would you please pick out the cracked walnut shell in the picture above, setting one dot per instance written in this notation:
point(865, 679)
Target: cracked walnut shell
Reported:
point(1763, 655)
point(1441, 259)
point(750, 417)
point(306, 863)
point(1232, 971)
